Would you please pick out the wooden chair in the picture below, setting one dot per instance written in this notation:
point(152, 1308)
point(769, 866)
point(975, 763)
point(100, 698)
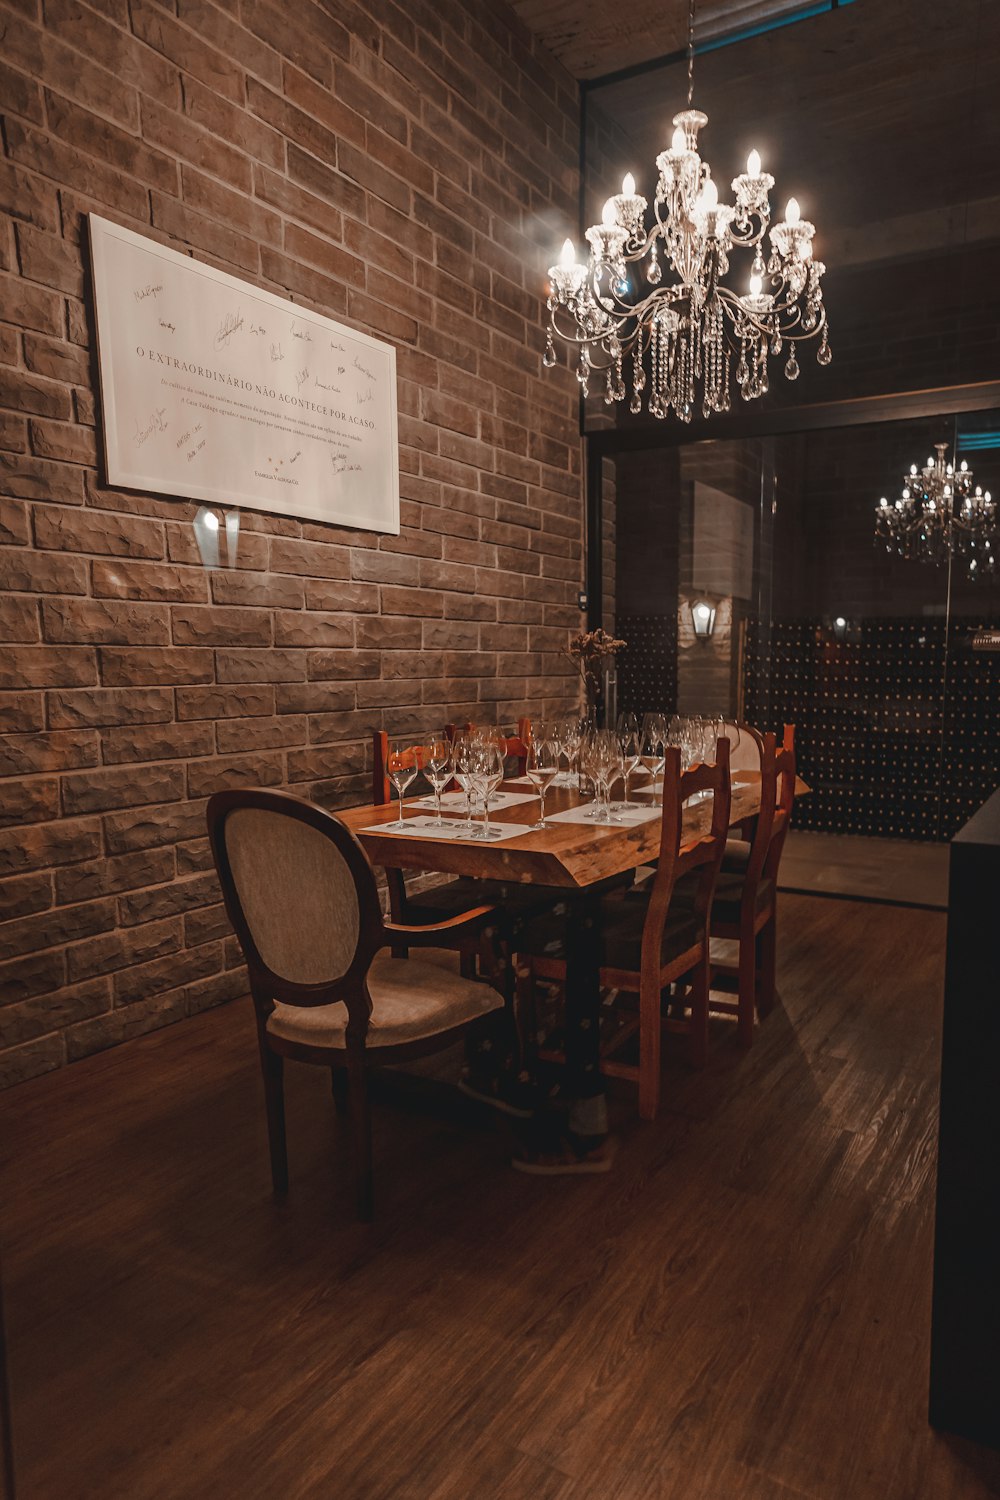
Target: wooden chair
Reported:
point(655, 936)
point(302, 898)
point(745, 903)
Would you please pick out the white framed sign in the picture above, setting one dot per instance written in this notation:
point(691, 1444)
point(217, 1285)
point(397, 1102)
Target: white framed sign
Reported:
point(218, 391)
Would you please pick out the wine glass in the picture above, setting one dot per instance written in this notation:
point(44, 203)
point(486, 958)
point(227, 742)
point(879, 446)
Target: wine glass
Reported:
point(652, 743)
point(463, 764)
point(402, 767)
point(488, 776)
point(543, 765)
point(628, 738)
point(437, 769)
point(571, 746)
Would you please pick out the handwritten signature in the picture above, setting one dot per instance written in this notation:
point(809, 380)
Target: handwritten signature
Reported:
point(301, 376)
point(231, 323)
point(295, 455)
point(361, 369)
point(168, 326)
point(157, 423)
point(362, 397)
point(322, 385)
point(298, 333)
point(142, 292)
point(336, 346)
point(256, 328)
point(341, 466)
point(276, 352)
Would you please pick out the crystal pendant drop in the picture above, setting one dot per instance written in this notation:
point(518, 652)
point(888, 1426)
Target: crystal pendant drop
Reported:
point(824, 354)
point(654, 273)
point(549, 357)
point(792, 367)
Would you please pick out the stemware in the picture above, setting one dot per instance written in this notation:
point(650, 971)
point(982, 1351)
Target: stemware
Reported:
point(543, 764)
point(571, 747)
point(488, 776)
point(601, 760)
point(402, 767)
point(463, 764)
point(629, 739)
point(652, 747)
point(437, 769)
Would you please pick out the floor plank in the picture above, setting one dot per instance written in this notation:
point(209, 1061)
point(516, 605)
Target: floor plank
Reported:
point(741, 1309)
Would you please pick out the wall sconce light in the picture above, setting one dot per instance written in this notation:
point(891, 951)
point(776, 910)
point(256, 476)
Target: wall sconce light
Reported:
point(840, 628)
point(208, 531)
point(702, 618)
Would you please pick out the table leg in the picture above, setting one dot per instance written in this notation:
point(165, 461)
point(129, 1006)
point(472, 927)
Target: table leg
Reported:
point(584, 1084)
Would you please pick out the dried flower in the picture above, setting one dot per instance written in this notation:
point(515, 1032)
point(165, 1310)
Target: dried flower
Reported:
point(590, 650)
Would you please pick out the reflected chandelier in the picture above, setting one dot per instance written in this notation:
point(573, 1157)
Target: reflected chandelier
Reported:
point(683, 335)
point(939, 515)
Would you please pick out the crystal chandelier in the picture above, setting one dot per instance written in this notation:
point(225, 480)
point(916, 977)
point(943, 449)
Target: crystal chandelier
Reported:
point(682, 335)
point(939, 515)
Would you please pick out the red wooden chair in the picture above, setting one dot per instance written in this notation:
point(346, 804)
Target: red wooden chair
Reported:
point(654, 937)
point(745, 904)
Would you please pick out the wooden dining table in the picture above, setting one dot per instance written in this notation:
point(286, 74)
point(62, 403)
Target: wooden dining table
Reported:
point(573, 861)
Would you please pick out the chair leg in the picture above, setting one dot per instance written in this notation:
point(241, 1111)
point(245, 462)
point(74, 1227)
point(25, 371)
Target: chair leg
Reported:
point(768, 959)
point(700, 983)
point(361, 1138)
point(747, 984)
point(649, 1048)
point(338, 1084)
point(272, 1066)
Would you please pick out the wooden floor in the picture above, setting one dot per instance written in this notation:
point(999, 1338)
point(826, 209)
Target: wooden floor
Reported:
point(900, 871)
point(740, 1310)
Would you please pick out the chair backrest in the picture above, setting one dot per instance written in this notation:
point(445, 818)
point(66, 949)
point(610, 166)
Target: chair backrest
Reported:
point(703, 856)
point(783, 799)
point(745, 746)
point(301, 895)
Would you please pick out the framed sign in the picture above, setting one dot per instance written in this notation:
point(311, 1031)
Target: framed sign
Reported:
point(218, 391)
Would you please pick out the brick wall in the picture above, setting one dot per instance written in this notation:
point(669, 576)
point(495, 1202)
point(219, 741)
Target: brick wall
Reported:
point(406, 169)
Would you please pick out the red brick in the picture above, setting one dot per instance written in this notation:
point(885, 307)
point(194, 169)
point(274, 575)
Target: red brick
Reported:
point(113, 624)
point(153, 826)
point(18, 619)
point(193, 228)
point(40, 479)
point(31, 974)
point(312, 628)
point(223, 772)
point(46, 929)
point(135, 666)
point(24, 894)
point(103, 877)
point(221, 627)
point(48, 844)
point(98, 531)
point(92, 791)
point(156, 742)
point(54, 1012)
point(61, 440)
point(117, 950)
point(273, 590)
point(260, 666)
point(25, 392)
point(24, 754)
point(259, 734)
point(110, 705)
point(217, 990)
point(233, 701)
point(165, 973)
point(152, 904)
point(177, 135)
point(47, 258)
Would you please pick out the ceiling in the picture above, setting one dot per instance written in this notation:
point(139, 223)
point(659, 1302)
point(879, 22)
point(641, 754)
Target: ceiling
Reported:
point(592, 39)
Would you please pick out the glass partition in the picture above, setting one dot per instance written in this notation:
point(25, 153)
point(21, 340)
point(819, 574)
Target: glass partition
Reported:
point(746, 579)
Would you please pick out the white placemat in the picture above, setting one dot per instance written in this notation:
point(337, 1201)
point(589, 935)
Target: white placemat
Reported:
point(627, 819)
point(457, 800)
point(455, 829)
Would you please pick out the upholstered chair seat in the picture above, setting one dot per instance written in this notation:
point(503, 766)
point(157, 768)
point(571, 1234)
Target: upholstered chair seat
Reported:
point(737, 855)
point(411, 999)
point(729, 896)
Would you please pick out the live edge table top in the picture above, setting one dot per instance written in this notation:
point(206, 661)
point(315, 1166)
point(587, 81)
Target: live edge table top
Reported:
point(571, 855)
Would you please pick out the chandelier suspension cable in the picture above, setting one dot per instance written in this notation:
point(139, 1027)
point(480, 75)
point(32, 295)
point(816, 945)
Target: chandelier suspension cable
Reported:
point(652, 311)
